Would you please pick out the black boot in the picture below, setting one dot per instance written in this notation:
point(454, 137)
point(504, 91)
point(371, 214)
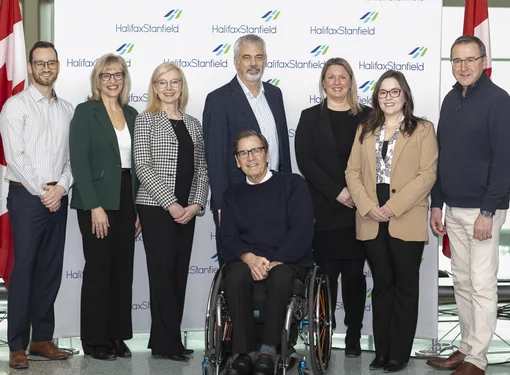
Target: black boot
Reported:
point(354, 298)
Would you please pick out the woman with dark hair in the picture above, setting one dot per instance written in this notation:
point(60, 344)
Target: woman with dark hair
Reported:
point(324, 138)
point(390, 173)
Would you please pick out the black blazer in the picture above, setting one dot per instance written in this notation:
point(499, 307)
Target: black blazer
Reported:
point(95, 157)
point(323, 168)
point(226, 113)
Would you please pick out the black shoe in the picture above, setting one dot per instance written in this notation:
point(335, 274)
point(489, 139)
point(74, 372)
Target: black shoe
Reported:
point(188, 352)
point(120, 348)
point(352, 346)
point(394, 365)
point(177, 357)
point(378, 363)
point(101, 352)
point(264, 365)
point(243, 365)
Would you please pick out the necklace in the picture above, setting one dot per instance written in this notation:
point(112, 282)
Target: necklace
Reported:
point(173, 124)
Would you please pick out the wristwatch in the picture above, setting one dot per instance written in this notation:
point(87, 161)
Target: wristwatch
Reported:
point(486, 214)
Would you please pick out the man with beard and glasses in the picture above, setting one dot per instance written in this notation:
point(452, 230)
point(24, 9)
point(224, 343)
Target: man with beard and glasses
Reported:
point(34, 125)
point(245, 103)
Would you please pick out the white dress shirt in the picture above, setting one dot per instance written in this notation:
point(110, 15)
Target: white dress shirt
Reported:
point(35, 135)
point(124, 140)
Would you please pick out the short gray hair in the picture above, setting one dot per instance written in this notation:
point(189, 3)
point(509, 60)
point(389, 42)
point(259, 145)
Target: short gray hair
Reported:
point(248, 39)
point(466, 39)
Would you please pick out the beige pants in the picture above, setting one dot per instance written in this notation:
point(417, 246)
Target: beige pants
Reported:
point(475, 266)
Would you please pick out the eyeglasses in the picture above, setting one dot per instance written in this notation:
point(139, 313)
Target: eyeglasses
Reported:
point(469, 60)
point(163, 83)
point(394, 93)
point(39, 64)
point(118, 76)
point(256, 151)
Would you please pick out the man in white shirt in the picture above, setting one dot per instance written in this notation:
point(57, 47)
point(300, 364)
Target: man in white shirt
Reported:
point(34, 125)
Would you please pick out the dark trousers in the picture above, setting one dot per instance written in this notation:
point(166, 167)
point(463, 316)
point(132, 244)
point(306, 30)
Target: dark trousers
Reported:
point(39, 240)
point(239, 291)
point(395, 266)
point(106, 293)
point(168, 251)
point(354, 288)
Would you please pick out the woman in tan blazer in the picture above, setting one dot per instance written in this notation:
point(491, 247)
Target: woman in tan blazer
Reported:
point(390, 173)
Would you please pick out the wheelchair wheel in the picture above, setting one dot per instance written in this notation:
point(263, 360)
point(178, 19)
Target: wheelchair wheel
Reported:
point(208, 369)
point(210, 313)
point(319, 322)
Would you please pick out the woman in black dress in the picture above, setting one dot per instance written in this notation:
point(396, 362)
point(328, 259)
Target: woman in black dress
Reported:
point(324, 138)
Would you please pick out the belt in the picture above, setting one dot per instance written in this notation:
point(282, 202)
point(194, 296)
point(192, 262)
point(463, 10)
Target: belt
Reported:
point(126, 170)
point(16, 183)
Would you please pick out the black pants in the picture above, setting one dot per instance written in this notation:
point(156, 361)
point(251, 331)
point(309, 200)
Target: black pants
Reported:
point(239, 291)
point(168, 251)
point(106, 293)
point(395, 266)
point(39, 240)
point(354, 288)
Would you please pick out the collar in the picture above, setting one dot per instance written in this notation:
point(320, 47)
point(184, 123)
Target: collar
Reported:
point(246, 90)
point(483, 78)
point(36, 94)
point(268, 175)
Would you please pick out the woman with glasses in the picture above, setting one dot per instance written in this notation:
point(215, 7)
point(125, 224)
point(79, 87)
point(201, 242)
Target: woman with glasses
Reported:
point(323, 144)
point(390, 173)
point(170, 163)
point(100, 146)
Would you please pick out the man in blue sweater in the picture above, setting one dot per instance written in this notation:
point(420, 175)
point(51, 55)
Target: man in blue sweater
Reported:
point(473, 181)
point(266, 229)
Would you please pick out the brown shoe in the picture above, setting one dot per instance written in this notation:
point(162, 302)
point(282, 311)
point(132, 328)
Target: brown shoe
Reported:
point(467, 368)
point(451, 363)
point(18, 359)
point(47, 350)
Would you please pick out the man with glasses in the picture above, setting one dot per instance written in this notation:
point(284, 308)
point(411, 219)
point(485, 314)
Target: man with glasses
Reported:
point(244, 103)
point(473, 183)
point(34, 125)
point(267, 231)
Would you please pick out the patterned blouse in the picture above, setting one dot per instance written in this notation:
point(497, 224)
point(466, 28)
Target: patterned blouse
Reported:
point(383, 165)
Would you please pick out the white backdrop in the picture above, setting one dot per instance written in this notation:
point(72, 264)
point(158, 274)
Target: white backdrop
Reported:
point(372, 35)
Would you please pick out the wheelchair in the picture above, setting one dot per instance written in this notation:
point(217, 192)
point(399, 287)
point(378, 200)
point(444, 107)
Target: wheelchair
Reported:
point(308, 316)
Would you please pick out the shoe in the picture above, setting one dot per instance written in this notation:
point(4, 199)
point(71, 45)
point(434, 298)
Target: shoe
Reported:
point(467, 368)
point(264, 365)
point(47, 350)
point(101, 352)
point(352, 346)
point(18, 359)
point(187, 352)
point(242, 365)
point(451, 363)
point(394, 365)
point(121, 349)
point(177, 357)
point(378, 363)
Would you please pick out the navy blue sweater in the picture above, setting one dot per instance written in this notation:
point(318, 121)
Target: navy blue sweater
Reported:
point(474, 148)
point(273, 219)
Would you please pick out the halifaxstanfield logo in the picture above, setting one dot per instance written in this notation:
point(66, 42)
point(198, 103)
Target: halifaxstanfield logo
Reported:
point(125, 48)
point(256, 28)
point(273, 81)
point(173, 14)
point(352, 28)
point(222, 49)
point(418, 52)
point(367, 86)
point(272, 15)
point(321, 49)
point(369, 16)
point(155, 27)
point(402, 64)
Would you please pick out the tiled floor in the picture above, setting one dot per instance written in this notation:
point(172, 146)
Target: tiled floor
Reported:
point(143, 363)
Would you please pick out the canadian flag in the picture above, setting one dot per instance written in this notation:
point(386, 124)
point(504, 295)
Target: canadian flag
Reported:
point(476, 23)
point(13, 74)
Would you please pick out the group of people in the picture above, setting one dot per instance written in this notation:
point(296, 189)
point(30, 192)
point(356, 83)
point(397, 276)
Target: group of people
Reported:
point(368, 174)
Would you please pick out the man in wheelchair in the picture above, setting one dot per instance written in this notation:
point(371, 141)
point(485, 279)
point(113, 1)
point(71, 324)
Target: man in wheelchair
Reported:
point(267, 226)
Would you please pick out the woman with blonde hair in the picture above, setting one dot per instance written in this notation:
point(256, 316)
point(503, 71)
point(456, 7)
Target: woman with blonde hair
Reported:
point(170, 163)
point(100, 146)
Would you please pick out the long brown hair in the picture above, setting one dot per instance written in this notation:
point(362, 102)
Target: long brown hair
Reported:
point(376, 118)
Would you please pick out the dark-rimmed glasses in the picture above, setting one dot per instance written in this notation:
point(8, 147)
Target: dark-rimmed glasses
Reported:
point(118, 76)
point(255, 151)
point(394, 93)
point(39, 64)
point(469, 60)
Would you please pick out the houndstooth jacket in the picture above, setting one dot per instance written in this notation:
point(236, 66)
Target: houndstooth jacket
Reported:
point(155, 155)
